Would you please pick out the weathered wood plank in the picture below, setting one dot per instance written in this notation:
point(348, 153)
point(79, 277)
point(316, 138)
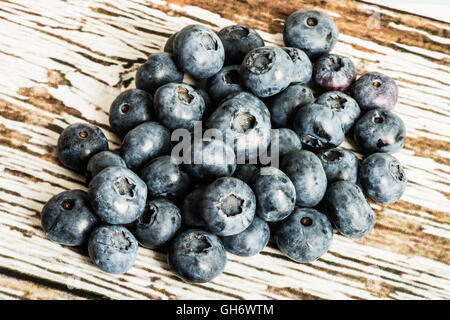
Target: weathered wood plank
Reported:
point(69, 59)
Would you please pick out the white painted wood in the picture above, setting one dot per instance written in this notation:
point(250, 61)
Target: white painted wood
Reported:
point(92, 48)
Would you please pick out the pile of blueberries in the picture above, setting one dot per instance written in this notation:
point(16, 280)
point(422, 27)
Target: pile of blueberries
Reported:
point(197, 211)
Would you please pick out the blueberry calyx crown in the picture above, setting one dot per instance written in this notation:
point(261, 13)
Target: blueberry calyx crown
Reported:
point(260, 61)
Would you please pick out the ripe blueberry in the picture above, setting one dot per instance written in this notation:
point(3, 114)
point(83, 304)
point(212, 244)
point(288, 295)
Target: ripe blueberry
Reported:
point(117, 195)
point(305, 235)
point(78, 142)
point(197, 256)
point(311, 31)
point(382, 178)
point(158, 224)
point(157, 71)
point(266, 71)
point(67, 218)
point(237, 41)
point(112, 248)
point(228, 206)
point(348, 210)
point(131, 108)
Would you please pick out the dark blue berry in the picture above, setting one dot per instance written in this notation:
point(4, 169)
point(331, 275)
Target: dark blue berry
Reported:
point(102, 160)
point(197, 256)
point(311, 31)
point(228, 206)
point(343, 106)
point(334, 72)
point(266, 71)
point(244, 123)
point(339, 164)
point(67, 218)
point(198, 51)
point(318, 127)
point(275, 194)
point(112, 248)
point(348, 210)
point(210, 159)
point(306, 173)
point(168, 46)
point(245, 172)
point(237, 41)
point(302, 71)
point(144, 143)
point(225, 82)
point(285, 104)
point(382, 178)
point(375, 90)
point(157, 71)
point(158, 224)
point(190, 209)
point(379, 130)
point(249, 242)
point(131, 108)
point(78, 143)
point(288, 141)
point(165, 178)
point(178, 105)
point(117, 195)
point(305, 235)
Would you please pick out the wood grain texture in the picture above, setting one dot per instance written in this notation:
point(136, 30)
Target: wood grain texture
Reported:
point(65, 61)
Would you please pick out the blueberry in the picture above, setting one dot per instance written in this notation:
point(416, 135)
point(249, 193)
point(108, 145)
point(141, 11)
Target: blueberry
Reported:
point(144, 143)
point(112, 248)
point(164, 178)
point(305, 235)
point(288, 141)
point(158, 224)
point(249, 242)
point(248, 97)
point(285, 104)
point(306, 173)
point(318, 127)
point(348, 210)
point(117, 195)
point(244, 123)
point(375, 90)
point(178, 105)
point(334, 72)
point(379, 130)
point(197, 256)
point(78, 142)
point(102, 160)
point(339, 164)
point(245, 172)
point(198, 51)
point(228, 206)
point(67, 218)
point(168, 46)
point(311, 31)
point(266, 71)
point(302, 71)
point(209, 104)
point(131, 108)
point(190, 209)
point(275, 194)
point(237, 41)
point(382, 178)
point(210, 159)
point(157, 71)
point(344, 107)
point(225, 82)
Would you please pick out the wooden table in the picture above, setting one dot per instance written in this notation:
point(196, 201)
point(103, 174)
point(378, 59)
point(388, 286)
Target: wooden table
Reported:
point(65, 61)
